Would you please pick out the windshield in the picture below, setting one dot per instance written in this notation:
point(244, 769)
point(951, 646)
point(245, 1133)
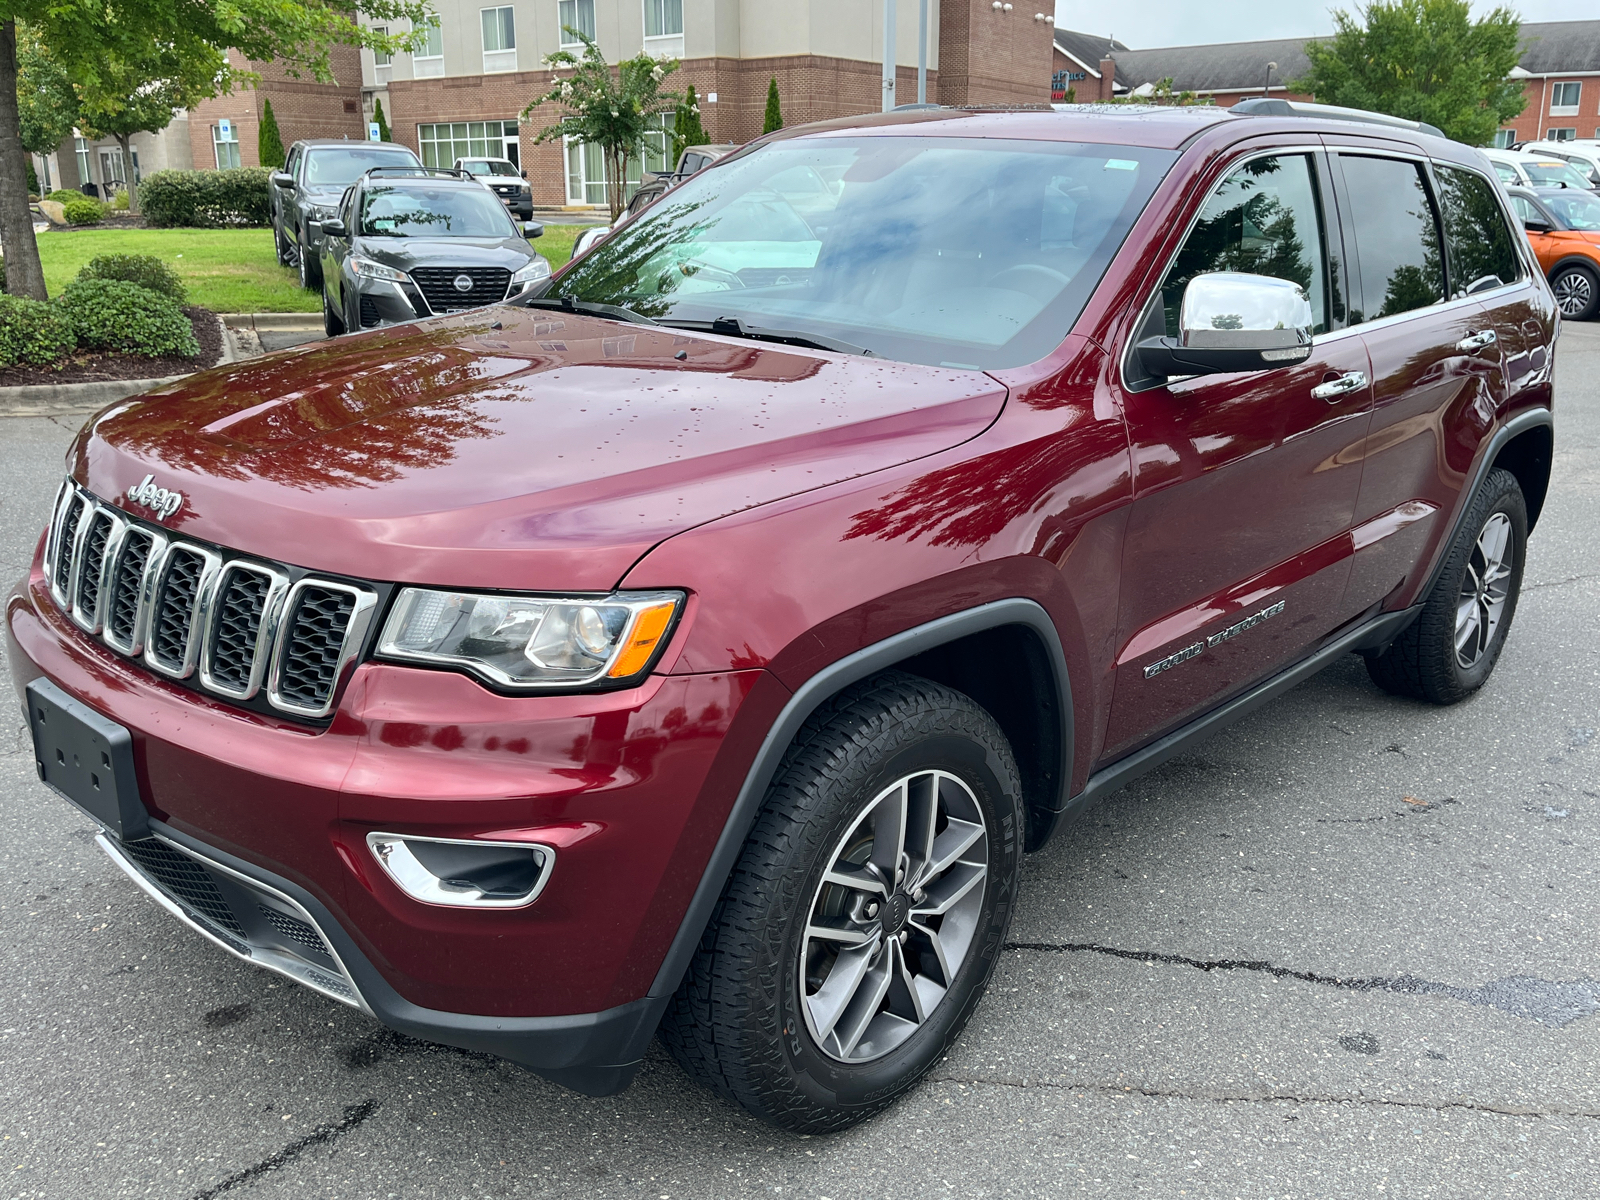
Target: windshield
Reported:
point(948, 251)
point(491, 166)
point(1577, 210)
point(1547, 173)
point(339, 167)
point(413, 211)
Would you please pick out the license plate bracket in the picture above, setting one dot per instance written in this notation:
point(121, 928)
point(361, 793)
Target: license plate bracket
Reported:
point(86, 758)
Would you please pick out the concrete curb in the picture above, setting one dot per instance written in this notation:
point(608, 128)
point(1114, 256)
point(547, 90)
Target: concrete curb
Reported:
point(63, 399)
point(278, 322)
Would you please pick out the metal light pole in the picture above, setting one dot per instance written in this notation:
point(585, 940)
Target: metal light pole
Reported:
point(888, 54)
point(1267, 86)
point(922, 52)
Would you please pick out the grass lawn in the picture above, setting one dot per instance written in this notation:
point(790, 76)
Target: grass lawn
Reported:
point(225, 270)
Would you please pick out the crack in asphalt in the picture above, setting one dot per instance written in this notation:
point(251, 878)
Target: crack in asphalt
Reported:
point(1027, 1082)
point(1549, 1002)
point(1534, 587)
point(354, 1116)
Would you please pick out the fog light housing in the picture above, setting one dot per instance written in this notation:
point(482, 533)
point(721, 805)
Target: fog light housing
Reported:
point(462, 873)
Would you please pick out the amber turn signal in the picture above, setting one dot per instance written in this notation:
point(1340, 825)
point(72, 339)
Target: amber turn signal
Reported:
point(649, 627)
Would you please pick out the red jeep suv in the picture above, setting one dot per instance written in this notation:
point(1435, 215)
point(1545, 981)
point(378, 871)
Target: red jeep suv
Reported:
point(694, 647)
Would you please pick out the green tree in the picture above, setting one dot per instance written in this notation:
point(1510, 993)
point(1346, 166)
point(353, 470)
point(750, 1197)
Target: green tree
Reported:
point(269, 142)
point(686, 128)
point(96, 42)
point(47, 105)
point(1425, 60)
point(774, 119)
point(383, 122)
point(612, 110)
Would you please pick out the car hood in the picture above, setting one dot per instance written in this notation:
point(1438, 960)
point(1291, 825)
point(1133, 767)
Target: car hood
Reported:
point(512, 253)
point(513, 448)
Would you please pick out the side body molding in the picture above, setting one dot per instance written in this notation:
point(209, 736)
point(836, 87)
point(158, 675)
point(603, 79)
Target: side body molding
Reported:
point(805, 701)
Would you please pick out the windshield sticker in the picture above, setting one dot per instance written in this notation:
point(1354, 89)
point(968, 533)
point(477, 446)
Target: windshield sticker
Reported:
point(1121, 164)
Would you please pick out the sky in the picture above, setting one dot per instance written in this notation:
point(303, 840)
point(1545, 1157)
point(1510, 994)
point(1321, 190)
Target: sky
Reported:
point(1147, 24)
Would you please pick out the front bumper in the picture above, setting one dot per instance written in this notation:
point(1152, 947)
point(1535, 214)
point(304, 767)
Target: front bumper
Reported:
point(620, 783)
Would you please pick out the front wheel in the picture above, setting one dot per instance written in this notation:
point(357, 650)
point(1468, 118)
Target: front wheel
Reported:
point(1577, 291)
point(866, 913)
point(310, 268)
point(332, 323)
point(284, 249)
point(1449, 651)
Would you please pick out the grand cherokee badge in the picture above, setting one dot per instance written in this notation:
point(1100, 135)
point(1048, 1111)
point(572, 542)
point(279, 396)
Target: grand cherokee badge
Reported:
point(161, 502)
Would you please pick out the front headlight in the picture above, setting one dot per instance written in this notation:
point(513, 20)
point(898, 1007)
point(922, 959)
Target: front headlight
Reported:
point(532, 642)
point(321, 212)
point(371, 270)
point(537, 269)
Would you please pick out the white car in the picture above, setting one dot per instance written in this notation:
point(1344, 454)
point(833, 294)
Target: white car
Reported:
point(1519, 169)
point(1585, 156)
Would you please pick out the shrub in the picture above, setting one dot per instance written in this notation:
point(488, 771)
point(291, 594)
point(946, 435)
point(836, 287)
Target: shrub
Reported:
point(205, 199)
point(113, 314)
point(119, 202)
point(62, 195)
point(146, 270)
point(33, 178)
point(33, 332)
point(81, 210)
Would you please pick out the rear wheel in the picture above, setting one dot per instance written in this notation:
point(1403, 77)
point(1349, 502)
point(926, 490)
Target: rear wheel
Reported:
point(1449, 651)
point(866, 913)
point(332, 322)
point(1577, 290)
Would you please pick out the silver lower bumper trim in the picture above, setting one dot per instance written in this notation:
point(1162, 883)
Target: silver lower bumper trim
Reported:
point(335, 985)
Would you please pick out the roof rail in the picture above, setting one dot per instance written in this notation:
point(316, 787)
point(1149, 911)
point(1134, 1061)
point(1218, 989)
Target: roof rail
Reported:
point(1261, 106)
point(415, 172)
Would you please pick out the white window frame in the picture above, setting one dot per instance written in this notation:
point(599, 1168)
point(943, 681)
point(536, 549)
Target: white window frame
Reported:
point(425, 65)
point(1566, 134)
point(80, 147)
point(663, 44)
point(380, 60)
point(578, 8)
point(501, 58)
point(1503, 138)
point(218, 142)
point(1566, 87)
point(467, 139)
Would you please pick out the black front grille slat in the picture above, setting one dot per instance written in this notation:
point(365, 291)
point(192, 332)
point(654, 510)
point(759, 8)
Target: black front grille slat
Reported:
point(241, 603)
point(176, 598)
point(186, 881)
point(314, 639)
point(123, 611)
point(94, 554)
point(66, 543)
point(489, 285)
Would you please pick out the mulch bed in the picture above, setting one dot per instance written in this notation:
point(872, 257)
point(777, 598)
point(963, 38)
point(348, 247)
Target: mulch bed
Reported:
point(89, 366)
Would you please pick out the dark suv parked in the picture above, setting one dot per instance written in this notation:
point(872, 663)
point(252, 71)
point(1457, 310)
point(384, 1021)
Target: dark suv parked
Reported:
point(314, 176)
point(400, 247)
point(697, 646)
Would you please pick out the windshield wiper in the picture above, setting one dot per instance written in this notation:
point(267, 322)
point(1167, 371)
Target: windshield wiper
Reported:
point(573, 305)
point(734, 327)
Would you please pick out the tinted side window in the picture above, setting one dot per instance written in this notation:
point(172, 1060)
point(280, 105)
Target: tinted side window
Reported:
point(294, 161)
point(1475, 230)
point(1396, 236)
point(1263, 219)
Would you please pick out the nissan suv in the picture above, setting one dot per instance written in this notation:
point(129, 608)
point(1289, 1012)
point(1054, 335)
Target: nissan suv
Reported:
point(695, 645)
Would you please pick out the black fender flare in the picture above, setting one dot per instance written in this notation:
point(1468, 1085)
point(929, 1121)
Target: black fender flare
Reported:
point(1580, 260)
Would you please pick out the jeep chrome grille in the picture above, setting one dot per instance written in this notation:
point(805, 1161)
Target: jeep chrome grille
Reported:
point(238, 627)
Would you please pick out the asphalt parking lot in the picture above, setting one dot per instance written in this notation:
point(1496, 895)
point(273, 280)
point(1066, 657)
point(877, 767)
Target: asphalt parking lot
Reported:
point(1349, 948)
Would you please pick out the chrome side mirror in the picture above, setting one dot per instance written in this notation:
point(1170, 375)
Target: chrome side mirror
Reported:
point(1230, 321)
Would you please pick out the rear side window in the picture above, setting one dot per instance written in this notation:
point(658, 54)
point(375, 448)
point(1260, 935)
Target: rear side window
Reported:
point(1475, 230)
point(1263, 219)
point(1396, 236)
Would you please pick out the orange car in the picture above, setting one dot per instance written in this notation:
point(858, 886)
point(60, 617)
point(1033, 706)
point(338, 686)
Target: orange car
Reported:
point(1564, 226)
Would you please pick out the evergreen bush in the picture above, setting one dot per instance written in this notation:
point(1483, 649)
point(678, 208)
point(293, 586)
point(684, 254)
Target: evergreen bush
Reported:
point(34, 332)
point(146, 270)
point(113, 314)
point(206, 199)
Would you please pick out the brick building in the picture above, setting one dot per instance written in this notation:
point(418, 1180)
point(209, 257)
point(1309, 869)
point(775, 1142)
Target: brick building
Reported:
point(1559, 68)
point(462, 93)
point(303, 108)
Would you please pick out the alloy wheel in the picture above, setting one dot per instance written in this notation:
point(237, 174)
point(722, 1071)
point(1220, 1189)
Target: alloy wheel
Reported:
point(1484, 589)
point(1574, 290)
point(894, 917)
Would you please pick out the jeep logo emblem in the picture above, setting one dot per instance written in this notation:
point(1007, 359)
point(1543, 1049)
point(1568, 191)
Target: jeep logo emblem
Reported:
point(463, 283)
point(161, 502)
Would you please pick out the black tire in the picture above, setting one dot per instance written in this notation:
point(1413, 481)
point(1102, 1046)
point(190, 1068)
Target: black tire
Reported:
point(281, 245)
point(310, 268)
point(1423, 662)
point(737, 1022)
point(332, 323)
point(1577, 290)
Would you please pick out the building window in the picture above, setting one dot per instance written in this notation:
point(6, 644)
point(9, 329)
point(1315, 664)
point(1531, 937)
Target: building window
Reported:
point(663, 18)
point(1564, 99)
point(579, 15)
point(81, 146)
point(225, 142)
point(1561, 135)
point(440, 145)
point(381, 58)
point(586, 170)
point(430, 59)
point(1503, 138)
point(499, 39)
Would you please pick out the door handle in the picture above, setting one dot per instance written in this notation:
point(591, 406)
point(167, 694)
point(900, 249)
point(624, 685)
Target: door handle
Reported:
point(1350, 381)
point(1477, 341)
